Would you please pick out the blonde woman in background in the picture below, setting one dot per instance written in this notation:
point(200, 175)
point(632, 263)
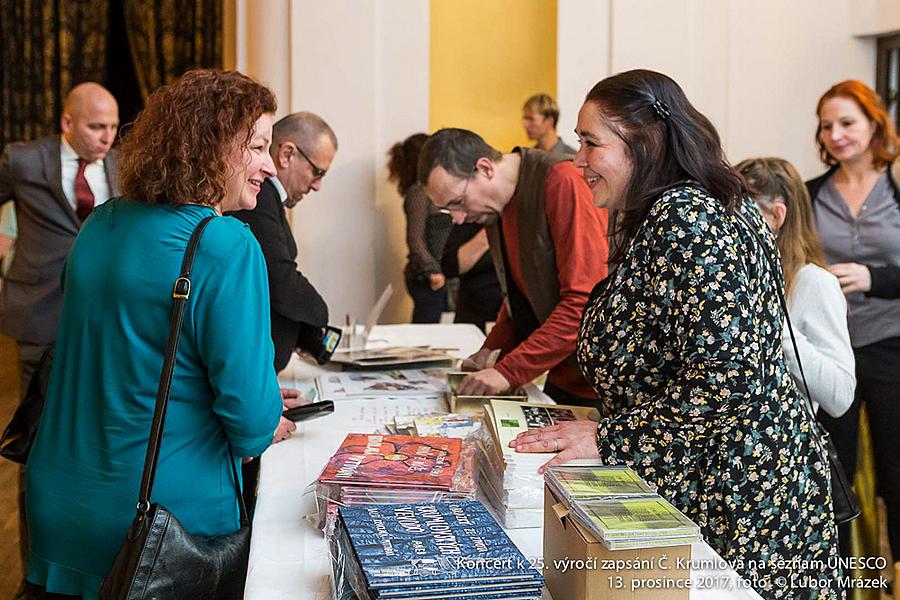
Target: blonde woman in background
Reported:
point(816, 306)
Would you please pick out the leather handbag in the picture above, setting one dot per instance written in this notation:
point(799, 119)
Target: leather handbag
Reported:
point(22, 428)
point(159, 559)
point(843, 499)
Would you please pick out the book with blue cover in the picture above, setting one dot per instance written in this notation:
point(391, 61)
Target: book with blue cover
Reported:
point(429, 545)
point(474, 592)
point(350, 584)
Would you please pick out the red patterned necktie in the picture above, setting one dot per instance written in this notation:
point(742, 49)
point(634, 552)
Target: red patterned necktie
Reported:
point(84, 197)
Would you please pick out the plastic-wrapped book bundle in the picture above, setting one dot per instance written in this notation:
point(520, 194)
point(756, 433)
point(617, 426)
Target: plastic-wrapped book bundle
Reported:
point(508, 480)
point(619, 508)
point(377, 469)
point(422, 551)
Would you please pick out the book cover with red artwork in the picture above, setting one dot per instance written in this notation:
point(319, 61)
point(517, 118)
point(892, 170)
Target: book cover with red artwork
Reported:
point(394, 461)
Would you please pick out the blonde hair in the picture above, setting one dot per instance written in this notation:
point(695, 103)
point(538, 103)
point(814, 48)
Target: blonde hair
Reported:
point(544, 105)
point(771, 180)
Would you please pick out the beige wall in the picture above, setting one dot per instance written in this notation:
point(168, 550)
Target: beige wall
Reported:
point(756, 69)
point(403, 68)
point(875, 17)
point(806, 48)
point(362, 66)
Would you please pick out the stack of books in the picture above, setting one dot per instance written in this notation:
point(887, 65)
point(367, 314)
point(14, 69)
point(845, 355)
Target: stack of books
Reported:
point(393, 356)
point(377, 469)
point(509, 480)
point(619, 508)
point(426, 551)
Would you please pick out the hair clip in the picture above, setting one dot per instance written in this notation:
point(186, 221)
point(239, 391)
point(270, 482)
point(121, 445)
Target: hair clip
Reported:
point(661, 110)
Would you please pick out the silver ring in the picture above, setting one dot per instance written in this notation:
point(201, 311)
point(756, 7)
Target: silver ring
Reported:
point(556, 444)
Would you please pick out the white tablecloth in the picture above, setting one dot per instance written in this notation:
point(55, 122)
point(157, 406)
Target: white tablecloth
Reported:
point(288, 556)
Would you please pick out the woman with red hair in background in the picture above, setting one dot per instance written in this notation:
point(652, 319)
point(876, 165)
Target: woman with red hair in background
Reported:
point(857, 212)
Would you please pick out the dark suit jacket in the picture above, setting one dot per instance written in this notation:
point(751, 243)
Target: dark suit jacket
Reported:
point(295, 302)
point(31, 298)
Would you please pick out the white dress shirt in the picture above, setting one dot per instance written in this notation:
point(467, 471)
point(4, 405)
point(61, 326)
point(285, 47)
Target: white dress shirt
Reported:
point(282, 193)
point(93, 172)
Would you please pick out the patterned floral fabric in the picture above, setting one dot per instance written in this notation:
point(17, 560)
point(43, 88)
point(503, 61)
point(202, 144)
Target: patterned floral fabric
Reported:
point(683, 345)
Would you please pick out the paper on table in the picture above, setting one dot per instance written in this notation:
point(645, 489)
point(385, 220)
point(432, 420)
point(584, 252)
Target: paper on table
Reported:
point(306, 386)
point(337, 386)
point(380, 411)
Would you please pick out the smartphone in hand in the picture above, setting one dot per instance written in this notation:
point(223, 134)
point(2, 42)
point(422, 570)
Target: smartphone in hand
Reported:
point(309, 411)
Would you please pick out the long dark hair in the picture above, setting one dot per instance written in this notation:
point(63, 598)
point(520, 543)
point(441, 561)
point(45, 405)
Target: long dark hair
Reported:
point(668, 140)
point(404, 160)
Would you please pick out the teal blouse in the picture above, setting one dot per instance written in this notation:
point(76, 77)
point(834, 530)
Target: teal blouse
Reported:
point(84, 471)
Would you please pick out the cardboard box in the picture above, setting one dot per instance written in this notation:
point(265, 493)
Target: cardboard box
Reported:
point(577, 566)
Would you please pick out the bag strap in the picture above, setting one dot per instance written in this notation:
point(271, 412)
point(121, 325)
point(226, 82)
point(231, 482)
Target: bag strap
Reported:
point(787, 318)
point(181, 291)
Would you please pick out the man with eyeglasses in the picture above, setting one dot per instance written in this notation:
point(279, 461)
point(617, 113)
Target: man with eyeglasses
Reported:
point(549, 246)
point(303, 146)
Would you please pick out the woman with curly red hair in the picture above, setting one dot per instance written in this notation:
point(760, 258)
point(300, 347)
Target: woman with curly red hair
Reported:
point(200, 147)
point(857, 213)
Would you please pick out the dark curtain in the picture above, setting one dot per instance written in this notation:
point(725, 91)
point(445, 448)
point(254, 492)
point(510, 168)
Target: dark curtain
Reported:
point(169, 37)
point(46, 47)
point(49, 46)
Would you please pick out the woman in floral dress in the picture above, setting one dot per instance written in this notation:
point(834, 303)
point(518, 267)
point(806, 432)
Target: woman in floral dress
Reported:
point(682, 343)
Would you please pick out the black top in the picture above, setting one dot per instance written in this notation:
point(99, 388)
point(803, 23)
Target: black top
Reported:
point(294, 301)
point(479, 295)
point(427, 229)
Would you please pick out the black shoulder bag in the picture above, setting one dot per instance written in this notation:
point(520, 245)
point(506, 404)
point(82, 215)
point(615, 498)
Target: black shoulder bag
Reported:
point(159, 559)
point(15, 444)
point(843, 499)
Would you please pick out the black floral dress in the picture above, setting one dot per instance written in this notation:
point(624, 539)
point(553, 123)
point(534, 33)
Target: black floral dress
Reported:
point(683, 345)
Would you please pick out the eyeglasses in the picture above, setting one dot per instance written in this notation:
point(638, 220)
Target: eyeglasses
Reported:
point(458, 203)
point(317, 172)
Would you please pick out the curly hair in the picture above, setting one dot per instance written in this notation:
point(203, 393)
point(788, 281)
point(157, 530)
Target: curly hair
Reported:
point(884, 143)
point(404, 160)
point(178, 148)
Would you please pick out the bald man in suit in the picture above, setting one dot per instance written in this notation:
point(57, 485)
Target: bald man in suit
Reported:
point(54, 182)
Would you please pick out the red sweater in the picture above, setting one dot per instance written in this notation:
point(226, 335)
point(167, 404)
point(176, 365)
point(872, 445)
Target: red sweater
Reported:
point(579, 230)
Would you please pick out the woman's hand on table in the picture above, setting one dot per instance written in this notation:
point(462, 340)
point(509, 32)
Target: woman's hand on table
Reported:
point(853, 277)
point(284, 430)
point(571, 439)
point(487, 382)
